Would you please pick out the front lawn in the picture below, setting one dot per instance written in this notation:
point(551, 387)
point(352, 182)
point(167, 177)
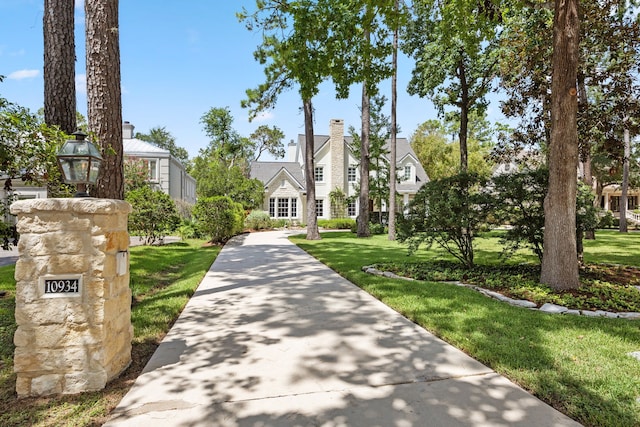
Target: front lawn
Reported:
point(579, 365)
point(163, 278)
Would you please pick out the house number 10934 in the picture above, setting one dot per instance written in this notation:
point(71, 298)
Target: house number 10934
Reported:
point(61, 286)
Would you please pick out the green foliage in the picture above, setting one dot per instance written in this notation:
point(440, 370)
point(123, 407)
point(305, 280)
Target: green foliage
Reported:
point(136, 174)
point(607, 220)
point(440, 156)
point(27, 152)
point(219, 217)
point(377, 228)
point(161, 137)
point(188, 230)
point(225, 144)
point(215, 178)
point(154, 214)
point(337, 223)
point(258, 220)
point(449, 212)
point(267, 139)
point(519, 203)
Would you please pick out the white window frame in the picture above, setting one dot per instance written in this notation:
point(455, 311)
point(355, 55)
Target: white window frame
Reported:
point(319, 207)
point(318, 173)
point(407, 172)
point(352, 174)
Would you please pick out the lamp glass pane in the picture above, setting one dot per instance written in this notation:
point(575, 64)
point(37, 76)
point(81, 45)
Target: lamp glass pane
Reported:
point(94, 171)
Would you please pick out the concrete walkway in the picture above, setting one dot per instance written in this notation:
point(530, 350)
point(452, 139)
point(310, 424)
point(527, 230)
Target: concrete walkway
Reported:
point(274, 338)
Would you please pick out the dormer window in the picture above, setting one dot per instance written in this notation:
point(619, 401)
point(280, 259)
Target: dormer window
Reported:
point(407, 172)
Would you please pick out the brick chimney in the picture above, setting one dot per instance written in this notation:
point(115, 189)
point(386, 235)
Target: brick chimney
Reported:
point(127, 130)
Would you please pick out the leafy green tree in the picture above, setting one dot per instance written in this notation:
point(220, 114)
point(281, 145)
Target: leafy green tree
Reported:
point(162, 138)
point(267, 139)
point(225, 143)
point(449, 212)
point(440, 156)
point(454, 45)
point(215, 178)
point(153, 214)
point(294, 51)
point(219, 217)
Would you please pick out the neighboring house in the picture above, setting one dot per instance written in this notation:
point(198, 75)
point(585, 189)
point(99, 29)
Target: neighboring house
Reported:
point(335, 167)
point(166, 173)
point(19, 191)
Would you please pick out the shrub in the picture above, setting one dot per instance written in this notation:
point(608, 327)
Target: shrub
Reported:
point(219, 217)
point(154, 214)
point(188, 230)
point(448, 212)
point(337, 223)
point(258, 220)
point(376, 228)
point(607, 220)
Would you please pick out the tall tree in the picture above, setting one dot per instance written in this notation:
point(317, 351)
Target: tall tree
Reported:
point(560, 261)
point(226, 143)
point(294, 52)
point(394, 128)
point(161, 137)
point(59, 65)
point(104, 97)
point(268, 139)
point(456, 58)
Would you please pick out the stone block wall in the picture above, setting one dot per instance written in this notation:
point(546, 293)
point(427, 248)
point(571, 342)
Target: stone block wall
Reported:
point(73, 342)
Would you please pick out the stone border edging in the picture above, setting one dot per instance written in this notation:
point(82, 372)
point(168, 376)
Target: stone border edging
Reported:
point(545, 308)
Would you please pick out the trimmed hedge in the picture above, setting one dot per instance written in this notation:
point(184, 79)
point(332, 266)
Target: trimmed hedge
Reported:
point(219, 217)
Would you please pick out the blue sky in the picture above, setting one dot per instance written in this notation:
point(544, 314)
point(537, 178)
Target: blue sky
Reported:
point(178, 60)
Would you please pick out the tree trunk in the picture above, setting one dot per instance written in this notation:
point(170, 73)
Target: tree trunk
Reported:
point(104, 98)
point(394, 132)
point(560, 259)
point(464, 115)
point(59, 65)
point(625, 178)
point(363, 217)
point(309, 173)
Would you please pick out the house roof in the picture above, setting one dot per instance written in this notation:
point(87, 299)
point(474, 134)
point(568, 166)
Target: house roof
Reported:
point(266, 171)
point(138, 148)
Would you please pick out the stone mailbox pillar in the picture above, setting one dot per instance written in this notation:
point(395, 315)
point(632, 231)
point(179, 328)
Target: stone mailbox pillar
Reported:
point(73, 301)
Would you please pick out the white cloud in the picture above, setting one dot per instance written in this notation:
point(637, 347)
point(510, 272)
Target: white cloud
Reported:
point(81, 84)
point(264, 116)
point(23, 74)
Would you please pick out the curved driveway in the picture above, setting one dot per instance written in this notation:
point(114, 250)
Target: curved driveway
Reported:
point(274, 338)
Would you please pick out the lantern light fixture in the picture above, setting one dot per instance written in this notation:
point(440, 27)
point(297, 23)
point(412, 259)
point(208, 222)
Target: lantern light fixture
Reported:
point(79, 162)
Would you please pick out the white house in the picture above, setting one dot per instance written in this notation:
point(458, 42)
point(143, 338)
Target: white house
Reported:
point(166, 173)
point(335, 168)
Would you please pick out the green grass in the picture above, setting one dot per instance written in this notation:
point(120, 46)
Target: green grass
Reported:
point(577, 364)
point(163, 278)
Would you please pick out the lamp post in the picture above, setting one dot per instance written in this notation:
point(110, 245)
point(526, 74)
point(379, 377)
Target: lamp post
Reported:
point(80, 162)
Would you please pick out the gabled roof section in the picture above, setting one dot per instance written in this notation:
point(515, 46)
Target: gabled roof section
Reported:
point(318, 142)
point(138, 148)
point(266, 172)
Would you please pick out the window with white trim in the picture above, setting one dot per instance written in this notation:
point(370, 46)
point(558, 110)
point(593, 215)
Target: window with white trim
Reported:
point(272, 207)
point(294, 208)
point(152, 167)
point(352, 209)
point(319, 174)
point(407, 172)
point(351, 174)
point(283, 208)
point(319, 207)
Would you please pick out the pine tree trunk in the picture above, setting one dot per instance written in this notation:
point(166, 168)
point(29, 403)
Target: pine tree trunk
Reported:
point(59, 65)
point(560, 260)
point(394, 132)
point(464, 116)
point(309, 173)
point(103, 93)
